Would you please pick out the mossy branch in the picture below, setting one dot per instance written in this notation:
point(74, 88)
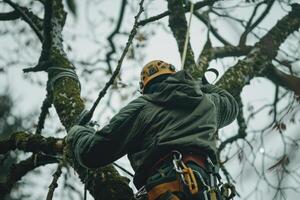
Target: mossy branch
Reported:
point(30, 143)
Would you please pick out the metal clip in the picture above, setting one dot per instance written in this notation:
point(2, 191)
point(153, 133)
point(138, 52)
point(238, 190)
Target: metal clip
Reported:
point(140, 193)
point(177, 163)
point(176, 159)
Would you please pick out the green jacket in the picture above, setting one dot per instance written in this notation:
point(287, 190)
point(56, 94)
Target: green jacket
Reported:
point(183, 115)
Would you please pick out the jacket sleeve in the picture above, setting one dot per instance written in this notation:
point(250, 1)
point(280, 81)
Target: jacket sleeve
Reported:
point(94, 149)
point(226, 105)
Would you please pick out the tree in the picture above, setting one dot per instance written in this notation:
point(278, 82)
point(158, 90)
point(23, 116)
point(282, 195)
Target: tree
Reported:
point(258, 54)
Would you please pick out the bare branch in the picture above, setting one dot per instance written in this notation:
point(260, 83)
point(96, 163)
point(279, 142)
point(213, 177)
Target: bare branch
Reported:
point(21, 169)
point(53, 184)
point(13, 15)
point(118, 68)
point(111, 36)
point(186, 9)
point(287, 81)
point(261, 55)
point(32, 20)
point(204, 19)
point(249, 27)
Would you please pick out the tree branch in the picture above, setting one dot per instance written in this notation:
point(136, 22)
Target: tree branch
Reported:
point(13, 15)
point(115, 31)
point(53, 184)
point(250, 27)
point(262, 54)
point(212, 29)
point(186, 9)
point(32, 20)
point(287, 81)
point(118, 68)
point(20, 169)
point(30, 143)
point(210, 53)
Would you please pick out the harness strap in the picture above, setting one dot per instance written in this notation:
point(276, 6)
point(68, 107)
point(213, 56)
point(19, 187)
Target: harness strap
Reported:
point(160, 189)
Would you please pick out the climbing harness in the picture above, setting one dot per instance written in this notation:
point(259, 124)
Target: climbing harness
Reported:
point(186, 173)
point(187, 181)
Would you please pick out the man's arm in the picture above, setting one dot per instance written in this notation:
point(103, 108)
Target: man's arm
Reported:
point(226, 105)
point(94, 149)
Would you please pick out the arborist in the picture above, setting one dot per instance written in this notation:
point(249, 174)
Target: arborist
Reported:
point(169, 134)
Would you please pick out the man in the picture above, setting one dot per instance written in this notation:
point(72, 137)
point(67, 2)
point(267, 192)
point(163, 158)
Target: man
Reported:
point(169, 134)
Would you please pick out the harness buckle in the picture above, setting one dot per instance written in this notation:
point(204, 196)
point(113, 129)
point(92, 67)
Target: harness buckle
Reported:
point(186, 173)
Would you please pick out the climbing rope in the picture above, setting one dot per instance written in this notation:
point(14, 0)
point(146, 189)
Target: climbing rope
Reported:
point(61, 72)
point(187, 36)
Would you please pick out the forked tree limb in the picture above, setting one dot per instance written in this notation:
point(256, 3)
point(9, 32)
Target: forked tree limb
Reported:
point(32, 20)
point(264, 51)
point(20, 169)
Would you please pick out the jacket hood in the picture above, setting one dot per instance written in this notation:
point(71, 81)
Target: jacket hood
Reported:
point(179, 90)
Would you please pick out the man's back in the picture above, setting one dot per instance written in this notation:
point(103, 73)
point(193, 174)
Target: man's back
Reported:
point(179, 113)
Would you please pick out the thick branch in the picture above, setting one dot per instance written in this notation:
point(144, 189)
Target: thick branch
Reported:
point(287, 81)
point(210, 53)
point(104, 183)
point(30, 143)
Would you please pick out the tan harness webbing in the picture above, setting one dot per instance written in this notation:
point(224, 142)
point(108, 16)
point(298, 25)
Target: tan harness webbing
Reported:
point(158, 190)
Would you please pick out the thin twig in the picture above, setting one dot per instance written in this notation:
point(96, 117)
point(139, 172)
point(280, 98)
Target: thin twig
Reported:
point(197, 6)
point(113, 33)
point(118, 68)
point(53, 184)
point(44, 112)
point(26, 18)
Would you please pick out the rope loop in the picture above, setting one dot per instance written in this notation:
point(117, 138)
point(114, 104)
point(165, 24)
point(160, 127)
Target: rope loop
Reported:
point(62, 72)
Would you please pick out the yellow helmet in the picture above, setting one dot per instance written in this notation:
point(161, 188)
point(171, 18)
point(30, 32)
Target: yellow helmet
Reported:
point(154, 69)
